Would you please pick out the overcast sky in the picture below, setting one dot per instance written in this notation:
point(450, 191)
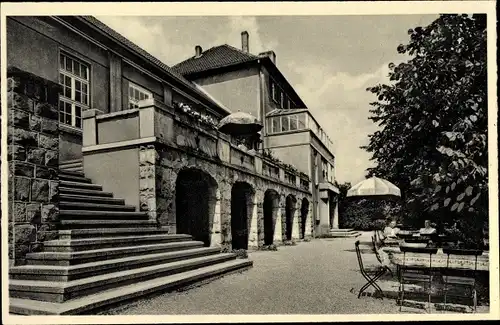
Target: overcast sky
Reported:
point(329, 60)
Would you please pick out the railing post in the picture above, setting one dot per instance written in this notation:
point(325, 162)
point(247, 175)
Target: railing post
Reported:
point(90, 127)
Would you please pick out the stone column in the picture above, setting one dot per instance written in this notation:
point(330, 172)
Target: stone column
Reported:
point(147, 180)
point(335, 224)
point(296, 223)
point(324, 215)
point(279, 225)
point(33, 159)
point(253, 231)
point(225, 215)
point(216, 236)
point(309, 223)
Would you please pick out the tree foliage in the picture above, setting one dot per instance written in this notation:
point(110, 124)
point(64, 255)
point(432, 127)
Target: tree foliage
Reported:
point(432, 115)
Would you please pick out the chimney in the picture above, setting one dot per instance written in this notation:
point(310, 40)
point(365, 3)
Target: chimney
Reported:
point(269, 54)
point(198, 50)
point(244, 42)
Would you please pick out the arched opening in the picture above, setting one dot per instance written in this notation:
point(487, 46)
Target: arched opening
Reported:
point(290, 210)
point(241, 213)
point(195, 197)
point(271, 206)
point(304, 210)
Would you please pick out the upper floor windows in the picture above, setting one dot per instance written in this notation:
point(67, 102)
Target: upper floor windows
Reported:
point(74, 76)
point(279, 96)
point(136, 94)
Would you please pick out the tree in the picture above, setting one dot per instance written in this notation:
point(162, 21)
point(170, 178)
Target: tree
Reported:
point(433, 119)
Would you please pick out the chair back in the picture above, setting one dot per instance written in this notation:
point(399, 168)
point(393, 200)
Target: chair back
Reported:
point(358, 255)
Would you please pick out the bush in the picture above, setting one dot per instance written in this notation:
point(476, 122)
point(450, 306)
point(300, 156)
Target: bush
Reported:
point(289, 243)
point(307, 239)
point(271, 247)
point(240, 253)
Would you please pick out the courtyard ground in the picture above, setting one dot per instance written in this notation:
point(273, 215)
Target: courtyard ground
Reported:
point(317, 277)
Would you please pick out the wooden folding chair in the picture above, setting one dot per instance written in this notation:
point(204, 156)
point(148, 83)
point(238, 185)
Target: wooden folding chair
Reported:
point(377, 255)
point(371, 279)
point(452, 281)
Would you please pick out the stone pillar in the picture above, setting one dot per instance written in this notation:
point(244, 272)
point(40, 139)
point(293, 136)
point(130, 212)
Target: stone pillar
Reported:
point(324, 217)
point(216, 236)
point(253, 229)
point(33, 159)
point(147, 180)
point(335, 224)
point(309, 223)
point(279, 225)
point(296, 223)
point(225, 214)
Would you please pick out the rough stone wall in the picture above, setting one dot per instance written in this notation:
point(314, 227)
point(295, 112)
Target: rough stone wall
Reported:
point(170, 161)
point(33, 159)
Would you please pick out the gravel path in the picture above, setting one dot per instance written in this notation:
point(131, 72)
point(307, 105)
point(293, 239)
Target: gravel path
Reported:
point(314, 277)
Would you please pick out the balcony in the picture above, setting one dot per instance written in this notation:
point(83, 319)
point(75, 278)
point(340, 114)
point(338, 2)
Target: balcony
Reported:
point(282, 121)
point(154, 122)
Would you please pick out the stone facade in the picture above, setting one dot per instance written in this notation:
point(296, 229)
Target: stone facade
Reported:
point(33, 158)
point(171, 162)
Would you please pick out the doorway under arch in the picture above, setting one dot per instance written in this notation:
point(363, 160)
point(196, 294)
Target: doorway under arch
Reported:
point(271, 206)
point(195, 197)
point(242, 195)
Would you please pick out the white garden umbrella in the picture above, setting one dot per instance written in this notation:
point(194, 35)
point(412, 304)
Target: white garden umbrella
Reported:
point(374, 186)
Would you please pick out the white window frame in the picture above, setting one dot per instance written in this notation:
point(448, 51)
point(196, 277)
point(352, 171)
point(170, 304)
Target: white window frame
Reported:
point(73, 77)
point(139, 89)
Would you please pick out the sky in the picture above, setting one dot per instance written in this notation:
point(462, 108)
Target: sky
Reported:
point(329, 60)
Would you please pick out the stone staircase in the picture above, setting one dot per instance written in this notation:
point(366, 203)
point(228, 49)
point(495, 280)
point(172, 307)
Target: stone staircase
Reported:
point(344, 233)
point(107, 252)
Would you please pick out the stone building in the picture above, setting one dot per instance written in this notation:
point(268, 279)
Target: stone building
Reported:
point(120, 181)
point(254, 84)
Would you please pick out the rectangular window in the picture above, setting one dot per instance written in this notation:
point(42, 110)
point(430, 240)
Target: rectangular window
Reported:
point(293, 122)
point(301, 121)
point(274, 93)
point(74, 98)
point(276, 124)
point(282, 100)
point(135, 94)
point(284, 124)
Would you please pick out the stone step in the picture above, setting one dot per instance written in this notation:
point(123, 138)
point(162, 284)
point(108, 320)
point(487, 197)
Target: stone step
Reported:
point(68, 172)
point(74, 258)
point(74, 169)
point(111, 232)
point(342, 230)
point(68, 205)
point(79, 191)
point(78, 245)
point(91, 199)
point(131, 291)
point(78, 185)
point(71, 161)
point(64, 291)
point(70, 164)
point(74, 272)
point(344, 234)
point(102, 214)
point(74, 178)
point(91, 223)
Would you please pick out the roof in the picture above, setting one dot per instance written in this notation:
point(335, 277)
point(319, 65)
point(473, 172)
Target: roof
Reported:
point(127, 43)
point(213, 58)
point(279, 111)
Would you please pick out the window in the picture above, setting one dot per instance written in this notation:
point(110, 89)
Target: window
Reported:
point(136, 94)
point(284, 123)
point(274, 93)
point(276, 124)
point(289, 104)
point(301, 121)
point(293, 122)
point(74, 79)
point(282, 100)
